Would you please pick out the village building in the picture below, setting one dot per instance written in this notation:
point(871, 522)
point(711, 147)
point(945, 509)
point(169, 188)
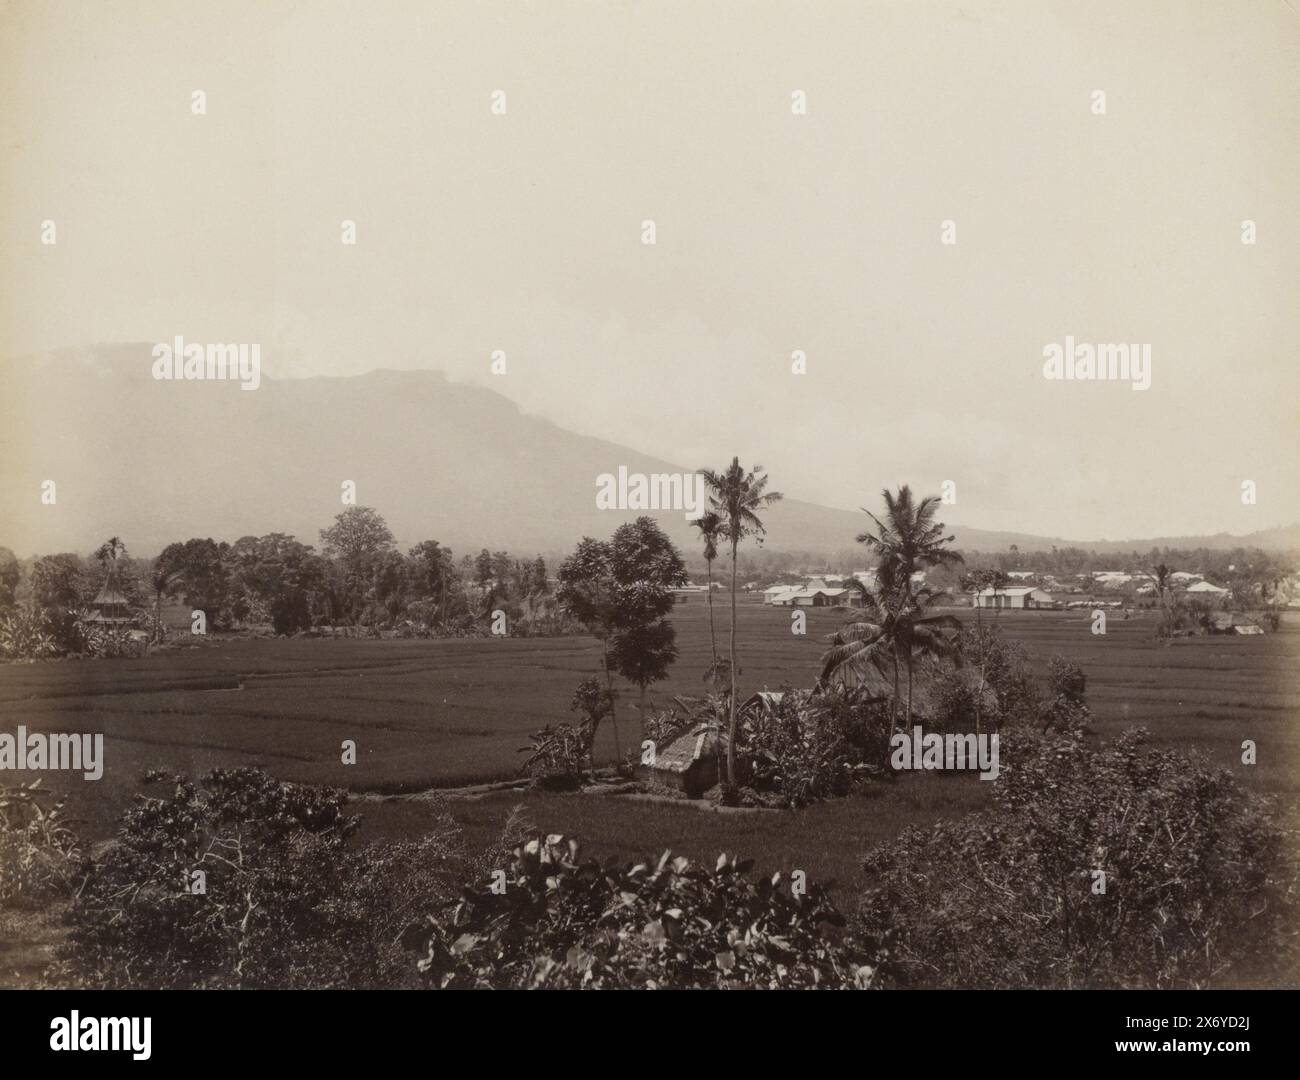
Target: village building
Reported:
point(110, 608)
point(1111, 578)
point(1015, 596)
point(1204, 588)
point(689, 763)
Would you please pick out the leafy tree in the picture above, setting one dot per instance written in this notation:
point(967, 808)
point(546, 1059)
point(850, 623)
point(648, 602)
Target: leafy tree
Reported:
point(503, 572)
point(737, 496)
point(202, 569)
point(646, 568)
point(620, 590)
point(10, 575)
point(284, 575)
point(485, 578)
point(358, 536)
point(57, 581)
point(433, 573)
point(538, 582)
point(391, 583)
point(358, 540)
point(587, 591)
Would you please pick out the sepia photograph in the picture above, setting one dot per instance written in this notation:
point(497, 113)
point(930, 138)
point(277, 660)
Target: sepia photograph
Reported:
point(650, 495)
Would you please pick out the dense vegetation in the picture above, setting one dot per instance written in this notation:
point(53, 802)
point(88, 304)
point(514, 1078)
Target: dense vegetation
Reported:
point(1111, 865)
point(1097, 864)
point(357, 579)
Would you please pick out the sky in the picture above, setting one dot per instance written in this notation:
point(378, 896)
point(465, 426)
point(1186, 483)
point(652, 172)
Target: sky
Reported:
point(775, 231)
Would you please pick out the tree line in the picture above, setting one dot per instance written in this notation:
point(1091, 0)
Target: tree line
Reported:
point(357, 577)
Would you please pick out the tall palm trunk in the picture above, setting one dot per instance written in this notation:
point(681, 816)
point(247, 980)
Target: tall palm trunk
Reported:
point(613, 713)
point(909, 689)
point(893, 705)
point(731, 722)
point(979, 696)
point(713, 643)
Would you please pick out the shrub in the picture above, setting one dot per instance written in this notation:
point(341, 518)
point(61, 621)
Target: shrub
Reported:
point(558, 756)
point(288, 612)
point(69, 629)
point(111, 642)
point(1004, 668)
point(1065, 710)
point(285, 903)
point(558, 922)
point(24, 635)
point(40, 853)
point(1197, 888)
point(812, 748)
point(963, 701)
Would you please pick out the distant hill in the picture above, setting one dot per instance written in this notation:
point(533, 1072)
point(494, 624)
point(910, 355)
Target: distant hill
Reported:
point(1281, 539)
point(156, 461)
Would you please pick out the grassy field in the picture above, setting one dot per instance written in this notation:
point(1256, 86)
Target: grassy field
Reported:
point(428, 714)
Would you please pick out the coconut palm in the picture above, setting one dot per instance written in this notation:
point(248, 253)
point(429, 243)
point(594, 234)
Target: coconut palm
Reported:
point(736, 496)
point(897, 631)
point(108, 553)
point(909, 538)
point(1161, 573)
point(710, 526)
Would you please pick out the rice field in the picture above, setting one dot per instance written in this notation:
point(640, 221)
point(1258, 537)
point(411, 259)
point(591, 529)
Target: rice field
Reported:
point(434, 714)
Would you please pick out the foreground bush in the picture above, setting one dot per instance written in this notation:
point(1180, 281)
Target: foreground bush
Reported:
point(25, 635)
point(40, 853)
point(808, 748)
point(551, 920)
point(1112, 867)
point(282, 901)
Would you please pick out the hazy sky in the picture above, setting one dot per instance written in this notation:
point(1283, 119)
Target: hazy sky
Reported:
point(775, 231)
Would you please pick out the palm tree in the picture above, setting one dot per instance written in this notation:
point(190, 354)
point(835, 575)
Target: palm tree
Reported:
point(1161, 573)
point(108, 553)
point(864, 646)
point(736, 496)
point(901, 631)
point(909, 537)
point(710, 526)
point(907, 540)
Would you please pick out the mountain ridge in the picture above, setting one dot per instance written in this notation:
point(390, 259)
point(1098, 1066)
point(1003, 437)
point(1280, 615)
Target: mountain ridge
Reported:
point(155, 461)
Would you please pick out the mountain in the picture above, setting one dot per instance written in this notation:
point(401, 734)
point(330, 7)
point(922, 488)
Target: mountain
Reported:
point(155, 461)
